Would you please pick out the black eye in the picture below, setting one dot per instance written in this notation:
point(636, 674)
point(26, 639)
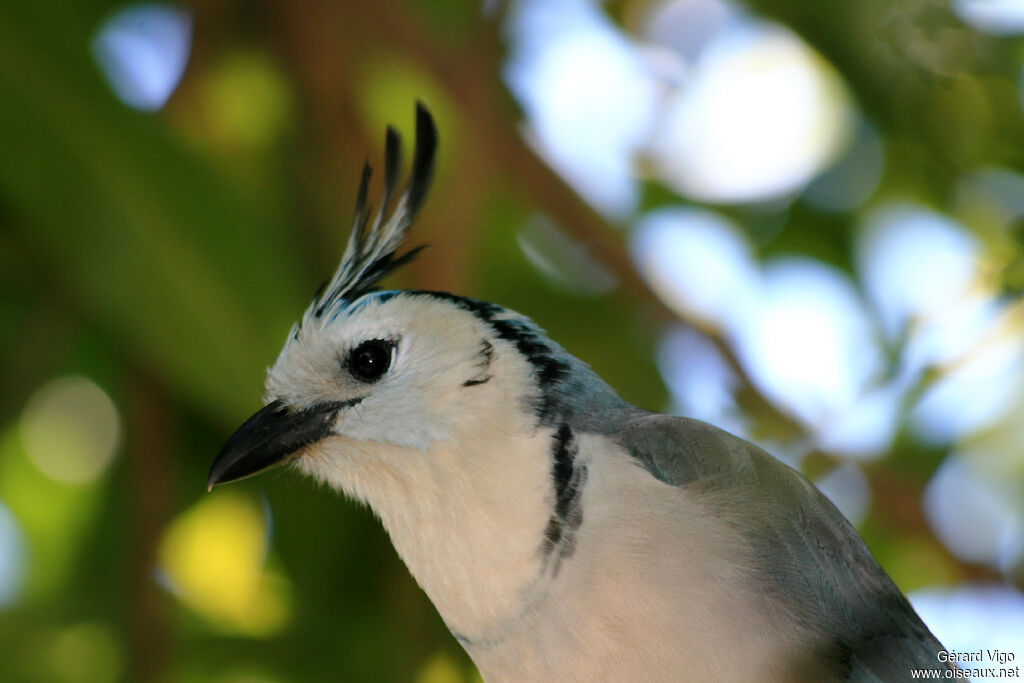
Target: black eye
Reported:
point(370, 360)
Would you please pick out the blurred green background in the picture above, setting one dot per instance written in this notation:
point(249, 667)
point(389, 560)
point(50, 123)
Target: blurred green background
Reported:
point(800, 221)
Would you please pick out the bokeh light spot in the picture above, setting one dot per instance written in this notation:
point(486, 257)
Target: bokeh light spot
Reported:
point(924, 274)
point(698, 263)
point(974, 617)
point(701, 381)
point(12, 557)
point(53, 517)
point(808, 343)
point(441, 668)
point(586, 93)
point(915, 264)
point(800, 329)
point(973, 516)
point(761, 116)
point(999, 17)
point(246, 100)
point(212, 558)
point(89, 652)
point(70, 430)
point(143, 50)
point(984, 386)
point(687, 26)
point(866, 428)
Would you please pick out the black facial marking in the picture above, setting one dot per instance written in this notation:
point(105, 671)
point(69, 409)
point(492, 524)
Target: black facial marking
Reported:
point(486, 354)
point(481, 309)
point(569, 477)
point(564, 471)
point(548, 368)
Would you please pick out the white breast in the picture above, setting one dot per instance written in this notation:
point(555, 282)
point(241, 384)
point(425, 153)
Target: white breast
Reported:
point(653, 591)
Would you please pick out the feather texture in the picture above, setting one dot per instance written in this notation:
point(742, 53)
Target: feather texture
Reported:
point(806, 555)
point(373, 244)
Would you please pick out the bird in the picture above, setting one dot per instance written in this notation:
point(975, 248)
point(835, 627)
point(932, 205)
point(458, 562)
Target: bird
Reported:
point(562, 533)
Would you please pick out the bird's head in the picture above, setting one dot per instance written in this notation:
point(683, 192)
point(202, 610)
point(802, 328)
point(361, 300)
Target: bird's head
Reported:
point(400, 369)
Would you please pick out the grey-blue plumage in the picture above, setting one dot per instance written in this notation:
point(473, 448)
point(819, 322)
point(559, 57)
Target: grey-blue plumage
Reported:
point(807, 556)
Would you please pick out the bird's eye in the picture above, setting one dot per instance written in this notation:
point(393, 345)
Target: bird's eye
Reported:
point(370, 360)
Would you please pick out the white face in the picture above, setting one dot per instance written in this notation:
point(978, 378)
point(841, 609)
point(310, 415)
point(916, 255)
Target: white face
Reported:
point(430, 347)
point(444, 446)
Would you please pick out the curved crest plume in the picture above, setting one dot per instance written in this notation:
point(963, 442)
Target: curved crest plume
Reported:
point(372, 245)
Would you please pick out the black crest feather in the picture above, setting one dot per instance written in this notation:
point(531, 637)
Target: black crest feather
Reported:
point(373, 244)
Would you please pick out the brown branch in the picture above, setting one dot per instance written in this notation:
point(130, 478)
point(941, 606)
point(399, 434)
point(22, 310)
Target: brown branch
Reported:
point(150, 475)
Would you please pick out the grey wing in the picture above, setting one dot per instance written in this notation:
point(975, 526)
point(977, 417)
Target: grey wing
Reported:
point(808, 555)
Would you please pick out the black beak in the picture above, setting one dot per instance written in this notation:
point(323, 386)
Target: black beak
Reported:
point(269, 437)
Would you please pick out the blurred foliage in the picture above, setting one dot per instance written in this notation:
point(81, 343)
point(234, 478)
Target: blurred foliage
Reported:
point(166, 255)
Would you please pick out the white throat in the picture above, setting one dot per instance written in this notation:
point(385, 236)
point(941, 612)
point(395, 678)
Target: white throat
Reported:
point(467, 517)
